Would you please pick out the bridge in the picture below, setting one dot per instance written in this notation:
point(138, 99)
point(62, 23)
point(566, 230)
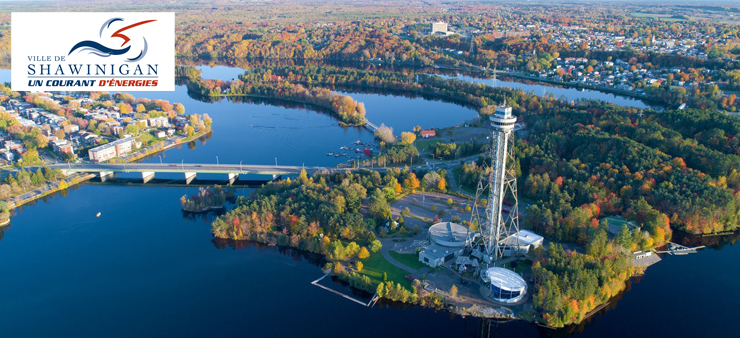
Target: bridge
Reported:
point(369, 124)
point(189, 171)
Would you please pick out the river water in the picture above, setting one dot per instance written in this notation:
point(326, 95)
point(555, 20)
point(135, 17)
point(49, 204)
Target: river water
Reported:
point(560, 92)
point(144, 269)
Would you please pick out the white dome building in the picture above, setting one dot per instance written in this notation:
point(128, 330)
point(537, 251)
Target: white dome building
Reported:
point(505, 285)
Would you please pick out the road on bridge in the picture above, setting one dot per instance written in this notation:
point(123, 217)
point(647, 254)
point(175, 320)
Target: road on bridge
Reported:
point(186, 168)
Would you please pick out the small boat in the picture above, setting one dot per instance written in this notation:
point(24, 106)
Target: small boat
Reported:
point(329, 154)
point(98, 215)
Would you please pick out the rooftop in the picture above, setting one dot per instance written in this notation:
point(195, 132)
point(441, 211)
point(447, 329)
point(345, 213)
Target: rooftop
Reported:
point(526, 238)
point(448, 234)
point(505, 278)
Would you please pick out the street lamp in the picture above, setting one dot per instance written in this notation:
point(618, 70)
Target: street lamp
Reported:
point(160, 159)
point(182, 164)
point(240, 166)
point(276, 161)
point(216, 160)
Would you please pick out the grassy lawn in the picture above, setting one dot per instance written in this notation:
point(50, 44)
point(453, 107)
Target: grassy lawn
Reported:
point(410, 260)
point(424, 145)
point(376, 264)
point(147, 139)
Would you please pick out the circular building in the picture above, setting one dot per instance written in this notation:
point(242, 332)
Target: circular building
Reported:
point(506, 286)
point(448, 234)
point(447, 240)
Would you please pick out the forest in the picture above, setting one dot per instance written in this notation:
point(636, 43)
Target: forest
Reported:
point(347, 110)
point(568, 285)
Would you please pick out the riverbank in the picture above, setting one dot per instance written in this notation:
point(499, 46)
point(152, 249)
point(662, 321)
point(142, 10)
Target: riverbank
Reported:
point(159, 147)
point(47, 189)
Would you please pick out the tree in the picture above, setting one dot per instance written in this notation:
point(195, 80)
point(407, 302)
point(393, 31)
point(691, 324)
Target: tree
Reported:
point(408, 138)
point(124, 108)
point(179, 108)
point(359, 266)
point(411, 182)
point(375, 246)
point(364, 254)
point(352, 249)
point(4, 191)
point(190, 131)
point(442, 185)
point(303, 176)
point(385, 134)
point(453, 292)
point(378, 207)
point(132, 129)
point(431, 179)
point(624, 238)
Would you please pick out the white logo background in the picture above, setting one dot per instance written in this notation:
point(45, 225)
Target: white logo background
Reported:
point(50, 36)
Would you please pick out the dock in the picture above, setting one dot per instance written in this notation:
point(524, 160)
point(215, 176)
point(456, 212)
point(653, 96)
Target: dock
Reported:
point(678, 249)
point(368, 304)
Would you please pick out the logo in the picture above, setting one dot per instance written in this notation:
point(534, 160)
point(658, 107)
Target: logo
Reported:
point(96, 48)
point(93, 51)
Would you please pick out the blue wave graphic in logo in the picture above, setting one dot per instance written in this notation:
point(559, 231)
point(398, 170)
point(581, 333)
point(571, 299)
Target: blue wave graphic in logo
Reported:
point(98, 49)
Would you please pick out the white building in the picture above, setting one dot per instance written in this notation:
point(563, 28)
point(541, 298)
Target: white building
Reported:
point(522, 242)
point(111, 150)
point(440, 27)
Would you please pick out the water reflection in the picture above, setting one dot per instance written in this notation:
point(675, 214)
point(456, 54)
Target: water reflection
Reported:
point(717, 242)
point(2, 230)
point(295, 254)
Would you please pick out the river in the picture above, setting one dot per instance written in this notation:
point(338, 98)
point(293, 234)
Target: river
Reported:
point(568, 93)
point(144, 269)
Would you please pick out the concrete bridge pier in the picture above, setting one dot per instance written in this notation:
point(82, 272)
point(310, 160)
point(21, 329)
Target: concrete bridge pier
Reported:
point(189, 177)
point(105, 175)
point(147, 176)
point(233, 177)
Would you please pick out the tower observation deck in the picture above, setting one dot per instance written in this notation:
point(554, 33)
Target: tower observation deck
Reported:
point(499, 181)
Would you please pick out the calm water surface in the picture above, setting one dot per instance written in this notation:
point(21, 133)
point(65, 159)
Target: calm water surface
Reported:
point(570, 94)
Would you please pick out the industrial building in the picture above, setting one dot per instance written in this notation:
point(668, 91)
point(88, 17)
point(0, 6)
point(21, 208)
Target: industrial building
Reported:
point(446, 240)
point(505, 285)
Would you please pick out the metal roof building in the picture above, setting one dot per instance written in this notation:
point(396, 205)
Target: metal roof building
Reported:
point(506, 286)
point(526, 239)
